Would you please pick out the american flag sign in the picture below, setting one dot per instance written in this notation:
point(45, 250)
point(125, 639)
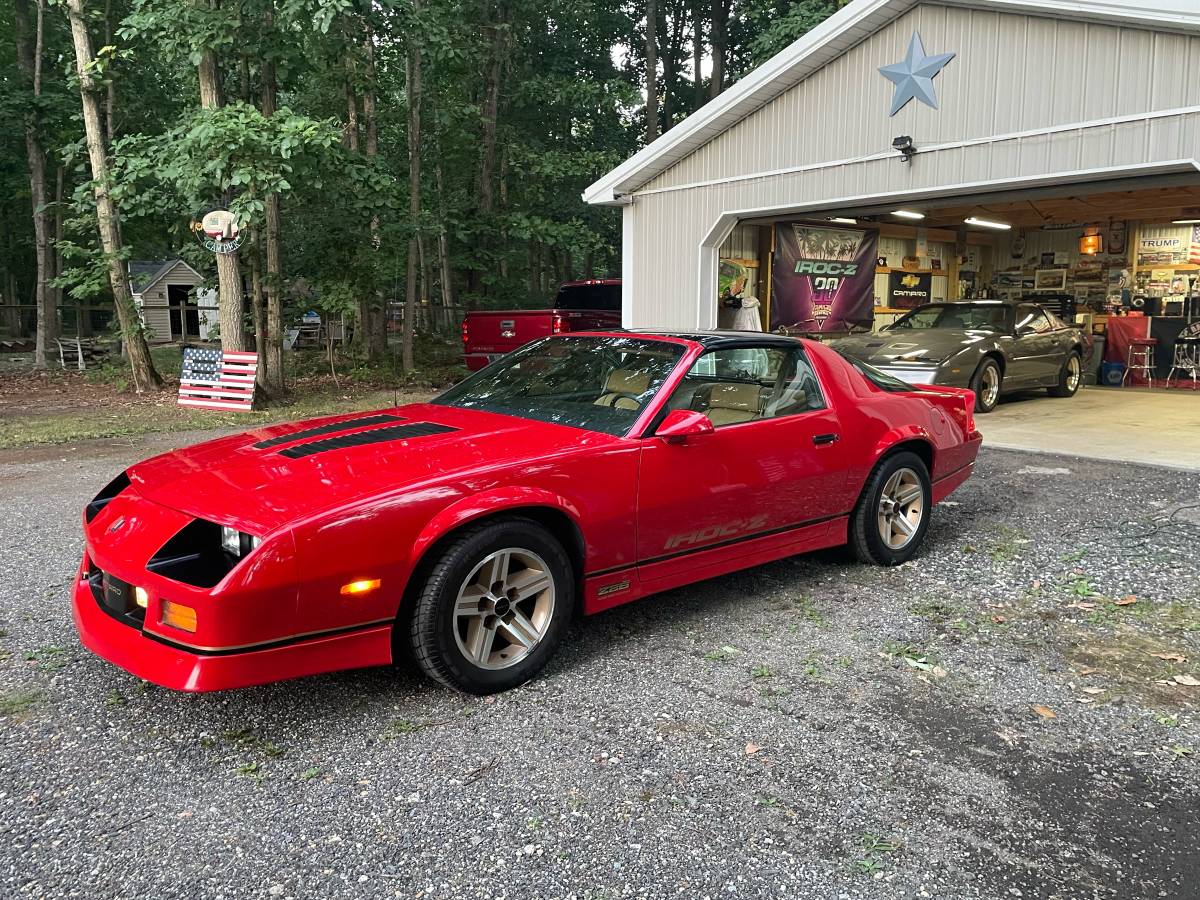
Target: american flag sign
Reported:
point(215, 379)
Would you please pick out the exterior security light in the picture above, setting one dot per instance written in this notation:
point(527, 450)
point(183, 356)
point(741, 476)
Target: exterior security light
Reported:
point(904, 146)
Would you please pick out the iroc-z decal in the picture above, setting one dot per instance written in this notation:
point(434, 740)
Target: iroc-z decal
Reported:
point(713, 532)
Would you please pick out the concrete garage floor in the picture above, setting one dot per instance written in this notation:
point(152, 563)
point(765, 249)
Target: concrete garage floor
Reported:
point(998, 718)
point(1156, 427)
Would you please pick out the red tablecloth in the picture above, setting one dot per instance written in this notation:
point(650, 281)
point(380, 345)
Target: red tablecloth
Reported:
point(1119, 332)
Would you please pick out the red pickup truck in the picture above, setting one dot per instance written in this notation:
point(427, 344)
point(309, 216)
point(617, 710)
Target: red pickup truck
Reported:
point(579, 306)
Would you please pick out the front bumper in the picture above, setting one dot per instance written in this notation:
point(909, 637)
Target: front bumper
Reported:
point(153, 658)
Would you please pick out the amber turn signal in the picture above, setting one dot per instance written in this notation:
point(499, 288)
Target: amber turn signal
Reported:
point(178, 616)
point(140, 597)
point(363, 586)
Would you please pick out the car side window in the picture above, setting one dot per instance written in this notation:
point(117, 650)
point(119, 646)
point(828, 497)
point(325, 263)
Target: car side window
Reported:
point(745, 384)
point(1031, 318)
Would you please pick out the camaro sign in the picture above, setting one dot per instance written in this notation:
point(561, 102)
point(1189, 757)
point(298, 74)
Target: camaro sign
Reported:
point(823, 278)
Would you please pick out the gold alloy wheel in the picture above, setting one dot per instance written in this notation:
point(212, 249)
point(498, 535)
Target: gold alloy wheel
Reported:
point(504, 608)
point(901, 506)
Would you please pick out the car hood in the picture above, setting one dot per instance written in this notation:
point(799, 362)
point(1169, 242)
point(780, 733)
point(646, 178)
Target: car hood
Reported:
point(933, 344)
point(269, 478)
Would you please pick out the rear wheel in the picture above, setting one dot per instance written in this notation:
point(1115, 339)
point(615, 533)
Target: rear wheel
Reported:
point(494, 607)
point(892, 514)
point(986, 384)
point(1068, 378)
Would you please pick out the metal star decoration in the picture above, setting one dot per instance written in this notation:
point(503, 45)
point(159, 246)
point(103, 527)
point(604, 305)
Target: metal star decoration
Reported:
point(913, 76)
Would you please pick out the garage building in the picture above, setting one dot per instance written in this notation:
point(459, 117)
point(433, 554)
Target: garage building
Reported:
point(963, 148)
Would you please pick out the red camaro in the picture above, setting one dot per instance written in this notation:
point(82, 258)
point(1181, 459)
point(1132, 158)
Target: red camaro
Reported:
point(581, 472)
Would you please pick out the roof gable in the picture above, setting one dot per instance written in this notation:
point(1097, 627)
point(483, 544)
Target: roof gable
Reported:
point(144, 274)
point(840, 32)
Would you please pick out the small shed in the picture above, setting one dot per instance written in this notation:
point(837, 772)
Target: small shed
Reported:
point(173, 305)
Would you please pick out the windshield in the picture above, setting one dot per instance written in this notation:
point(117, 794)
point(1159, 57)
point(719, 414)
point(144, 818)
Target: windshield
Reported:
point(968, 316)
point(594, 383)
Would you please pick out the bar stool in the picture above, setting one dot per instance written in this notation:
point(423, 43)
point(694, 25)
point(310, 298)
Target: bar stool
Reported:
point(1140, 359)
point(1187, 360)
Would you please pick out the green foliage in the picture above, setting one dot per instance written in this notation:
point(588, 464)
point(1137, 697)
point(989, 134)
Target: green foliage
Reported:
point(569, 109)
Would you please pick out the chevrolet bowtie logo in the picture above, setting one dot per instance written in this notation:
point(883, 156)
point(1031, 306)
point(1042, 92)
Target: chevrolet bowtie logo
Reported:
point(910, 281)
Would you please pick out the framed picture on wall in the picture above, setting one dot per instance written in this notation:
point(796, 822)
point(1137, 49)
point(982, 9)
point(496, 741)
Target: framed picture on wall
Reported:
point(1050, 280)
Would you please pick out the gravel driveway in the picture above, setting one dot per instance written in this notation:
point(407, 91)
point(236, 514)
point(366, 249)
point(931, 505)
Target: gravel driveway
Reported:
point(998, 718)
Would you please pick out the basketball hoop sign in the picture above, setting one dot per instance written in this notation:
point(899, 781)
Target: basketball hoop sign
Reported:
point(218, 231)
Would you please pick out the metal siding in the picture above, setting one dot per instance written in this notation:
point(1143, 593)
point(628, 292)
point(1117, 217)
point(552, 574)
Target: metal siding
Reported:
point(1012, 73)
point(668, 228)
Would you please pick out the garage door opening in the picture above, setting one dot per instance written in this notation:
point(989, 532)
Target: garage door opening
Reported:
point(1121, 260)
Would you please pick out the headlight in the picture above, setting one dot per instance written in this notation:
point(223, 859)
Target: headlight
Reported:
point(237, 543)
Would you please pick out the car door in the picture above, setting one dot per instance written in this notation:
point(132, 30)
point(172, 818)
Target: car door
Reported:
point(1033, 356)
point(770, 476)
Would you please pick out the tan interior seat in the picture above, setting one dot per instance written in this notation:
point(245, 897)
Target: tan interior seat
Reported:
point(620, 383)
point(729, 404)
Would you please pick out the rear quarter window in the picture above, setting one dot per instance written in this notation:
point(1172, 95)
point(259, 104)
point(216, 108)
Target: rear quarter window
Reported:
point(881, 380)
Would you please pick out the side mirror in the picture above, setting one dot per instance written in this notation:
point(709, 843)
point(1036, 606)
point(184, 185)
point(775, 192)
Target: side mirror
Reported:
point(680, 424)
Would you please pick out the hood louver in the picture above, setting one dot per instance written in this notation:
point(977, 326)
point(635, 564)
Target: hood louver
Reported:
point(362, 438)
point(333, 428)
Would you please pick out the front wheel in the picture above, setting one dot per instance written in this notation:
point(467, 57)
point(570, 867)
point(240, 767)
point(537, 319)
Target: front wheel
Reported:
point(1068, 378)
point(892, 514)
point(494, 607)
point(986, 385)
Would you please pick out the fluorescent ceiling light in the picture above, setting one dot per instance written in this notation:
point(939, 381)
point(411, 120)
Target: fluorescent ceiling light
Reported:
point(1186, 222)
point(985, 223)
point(842, 221)
point(908, 214)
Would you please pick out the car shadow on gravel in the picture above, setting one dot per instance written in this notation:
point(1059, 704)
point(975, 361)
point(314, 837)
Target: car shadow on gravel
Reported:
point(1054, 824)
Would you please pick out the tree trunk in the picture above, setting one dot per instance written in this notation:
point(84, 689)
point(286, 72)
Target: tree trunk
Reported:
point(719, 31)
point(698, 52)
point(110, 89)
point(447, 276)
point(83, 324)
point(231, 300)
point(413, 84)
point(272, 366)
point(256, 309)
point(29, 60)
point(107, 217)
point(485, 202)
point(375, 309)
point(651, 70)
point(350, 132)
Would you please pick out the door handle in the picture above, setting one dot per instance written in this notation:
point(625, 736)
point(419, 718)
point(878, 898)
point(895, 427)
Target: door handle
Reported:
point(820, 439)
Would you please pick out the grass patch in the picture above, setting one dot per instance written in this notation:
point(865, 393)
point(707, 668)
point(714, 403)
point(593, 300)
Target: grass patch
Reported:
point(722, 654)
point(913, 656)
point(873, 852)
point(14, 703)
point(147, 417)
point(807, 608)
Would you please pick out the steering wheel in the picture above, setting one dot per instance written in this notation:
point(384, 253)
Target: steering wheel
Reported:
point(618, 395)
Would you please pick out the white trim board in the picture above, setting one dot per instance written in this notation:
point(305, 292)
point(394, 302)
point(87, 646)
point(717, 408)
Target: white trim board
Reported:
point(844, 29)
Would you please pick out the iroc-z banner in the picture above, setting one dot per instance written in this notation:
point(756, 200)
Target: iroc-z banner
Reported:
point(823, 278)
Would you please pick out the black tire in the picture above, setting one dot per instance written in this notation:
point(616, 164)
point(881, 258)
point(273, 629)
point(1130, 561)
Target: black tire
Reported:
point(866, 541)
point(432, 629)
point(988, 365)
point(1063, 388)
